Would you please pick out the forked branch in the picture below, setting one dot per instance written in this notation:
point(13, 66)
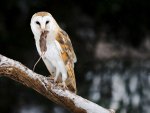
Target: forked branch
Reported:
point(74, 103)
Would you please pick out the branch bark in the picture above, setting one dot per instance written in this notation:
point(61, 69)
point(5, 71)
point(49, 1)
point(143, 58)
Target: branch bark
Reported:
point(74, 103)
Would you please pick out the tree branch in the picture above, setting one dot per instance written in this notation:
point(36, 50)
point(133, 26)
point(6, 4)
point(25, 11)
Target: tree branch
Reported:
point(74, 103)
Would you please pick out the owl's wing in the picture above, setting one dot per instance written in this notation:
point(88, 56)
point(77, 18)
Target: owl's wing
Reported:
point(66, 47)
point(69, 58)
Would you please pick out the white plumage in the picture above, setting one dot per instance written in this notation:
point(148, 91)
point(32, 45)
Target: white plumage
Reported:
point(59, 56)
point(52, 59)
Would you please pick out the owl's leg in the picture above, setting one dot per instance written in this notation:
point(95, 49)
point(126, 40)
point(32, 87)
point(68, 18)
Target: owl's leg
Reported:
point(56, 75)
point(63, 84)
point(63, 72)
point(64, 77)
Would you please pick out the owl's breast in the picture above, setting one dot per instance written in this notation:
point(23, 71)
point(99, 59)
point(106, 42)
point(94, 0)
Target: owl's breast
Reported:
point(53, 53)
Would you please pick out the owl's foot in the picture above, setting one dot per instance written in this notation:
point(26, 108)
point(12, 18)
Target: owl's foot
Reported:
point(51, 79)
point(63, 85)
point(55, 79)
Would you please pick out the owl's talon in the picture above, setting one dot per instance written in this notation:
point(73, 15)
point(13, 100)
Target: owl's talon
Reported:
point(55, 84)
point(63, 85)
point(55, 80)
point(51, 79)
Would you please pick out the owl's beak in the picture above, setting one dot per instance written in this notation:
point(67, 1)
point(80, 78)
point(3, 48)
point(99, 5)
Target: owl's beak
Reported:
point(43, 30)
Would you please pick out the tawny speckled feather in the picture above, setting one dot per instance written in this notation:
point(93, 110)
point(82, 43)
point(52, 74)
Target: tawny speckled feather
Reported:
point(68, 57)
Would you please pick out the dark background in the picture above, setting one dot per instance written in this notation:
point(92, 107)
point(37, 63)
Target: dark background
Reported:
point(111, 39)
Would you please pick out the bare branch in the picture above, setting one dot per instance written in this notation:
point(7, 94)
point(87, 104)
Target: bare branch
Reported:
point(74, 103)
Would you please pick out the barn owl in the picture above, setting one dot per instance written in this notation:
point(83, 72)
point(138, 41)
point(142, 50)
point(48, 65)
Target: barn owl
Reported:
point(55, 48)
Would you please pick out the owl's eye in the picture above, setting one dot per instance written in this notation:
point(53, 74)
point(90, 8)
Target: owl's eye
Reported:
point(37, 22)
point(47, 22)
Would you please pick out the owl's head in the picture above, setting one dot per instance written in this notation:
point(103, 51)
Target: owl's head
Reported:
point(42, 21)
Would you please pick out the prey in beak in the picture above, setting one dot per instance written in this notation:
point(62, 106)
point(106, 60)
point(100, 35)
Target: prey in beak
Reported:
point(42, 40)
point(43, 46)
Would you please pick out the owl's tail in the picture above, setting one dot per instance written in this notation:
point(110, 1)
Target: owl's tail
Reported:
point(71, 81)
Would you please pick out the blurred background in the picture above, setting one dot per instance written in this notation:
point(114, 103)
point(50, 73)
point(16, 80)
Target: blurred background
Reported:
point(111, 39)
